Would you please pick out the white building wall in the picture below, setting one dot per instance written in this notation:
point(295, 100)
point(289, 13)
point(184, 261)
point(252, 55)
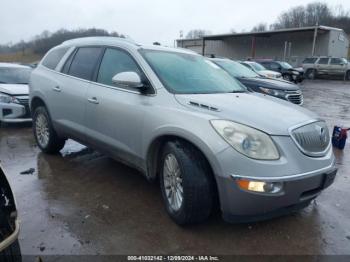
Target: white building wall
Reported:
point(338, 44)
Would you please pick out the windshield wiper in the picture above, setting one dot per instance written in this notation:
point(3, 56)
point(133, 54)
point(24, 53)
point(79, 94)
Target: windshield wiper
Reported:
point(1, 82)
point(238, 91)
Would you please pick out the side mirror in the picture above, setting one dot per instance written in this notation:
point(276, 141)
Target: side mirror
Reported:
point(128, 79)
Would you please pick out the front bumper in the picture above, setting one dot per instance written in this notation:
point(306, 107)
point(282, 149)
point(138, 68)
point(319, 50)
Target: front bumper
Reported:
point(10, 239)
point(297, 193)
point(14, 113)
point(298, 78)
point(302, 176)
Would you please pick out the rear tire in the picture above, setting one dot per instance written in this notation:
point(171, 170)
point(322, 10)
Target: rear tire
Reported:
point(11, 253)
point(45, 135)
point(311, 74)
point(184, 169)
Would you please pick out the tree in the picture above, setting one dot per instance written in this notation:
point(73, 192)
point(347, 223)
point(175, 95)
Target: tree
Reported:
point(43, 42)
point(312, 14)
point(261, 27)
point(197, 33)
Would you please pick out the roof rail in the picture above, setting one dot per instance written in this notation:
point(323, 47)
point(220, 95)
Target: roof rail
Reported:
point(79, 39)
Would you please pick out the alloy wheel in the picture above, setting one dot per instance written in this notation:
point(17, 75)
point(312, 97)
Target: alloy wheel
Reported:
point(172, 179)
point(42, 130)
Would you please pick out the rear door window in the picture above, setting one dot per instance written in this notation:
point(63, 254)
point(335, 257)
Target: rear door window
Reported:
point(54, 57)
point(266, 65)
point(323, 61)
point(85, 62)
point(275, 66)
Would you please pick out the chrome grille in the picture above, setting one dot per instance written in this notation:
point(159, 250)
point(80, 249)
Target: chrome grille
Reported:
point(24, 100)
point(296, 97)
point(312, 139)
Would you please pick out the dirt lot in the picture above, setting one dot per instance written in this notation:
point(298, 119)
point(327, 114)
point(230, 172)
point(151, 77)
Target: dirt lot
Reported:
point(81, 202)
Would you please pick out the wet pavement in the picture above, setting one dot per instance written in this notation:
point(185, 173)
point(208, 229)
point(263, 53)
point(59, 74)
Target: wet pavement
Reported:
point(81, 202)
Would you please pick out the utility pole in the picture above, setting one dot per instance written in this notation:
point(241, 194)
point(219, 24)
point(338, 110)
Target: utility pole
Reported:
point(289, 50)
point(285, 51)
point(314, 41)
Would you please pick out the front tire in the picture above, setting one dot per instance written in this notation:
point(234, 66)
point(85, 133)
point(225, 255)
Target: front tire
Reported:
point(45, 135)
point(11, 253)
point(288, 78)
point(311, 74)
point(186, 183)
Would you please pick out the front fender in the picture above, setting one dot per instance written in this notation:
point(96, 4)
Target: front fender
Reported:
point(209, 143)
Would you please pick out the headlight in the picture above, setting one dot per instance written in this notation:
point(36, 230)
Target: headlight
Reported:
point(272, 92)
point(7, 99)
point(270, 75)
point(246, 140)
point(295, 73)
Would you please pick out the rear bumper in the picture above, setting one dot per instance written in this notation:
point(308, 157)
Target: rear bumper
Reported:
point(14, 113)
point(12, 238)
point(244, 206)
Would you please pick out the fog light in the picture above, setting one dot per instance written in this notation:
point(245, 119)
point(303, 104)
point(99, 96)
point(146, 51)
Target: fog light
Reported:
point(260, 186)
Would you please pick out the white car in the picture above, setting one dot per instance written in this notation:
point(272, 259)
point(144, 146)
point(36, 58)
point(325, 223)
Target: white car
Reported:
point(14, 92)
point(261, 70)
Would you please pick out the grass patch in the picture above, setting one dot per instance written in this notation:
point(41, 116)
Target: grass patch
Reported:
point(20, 57)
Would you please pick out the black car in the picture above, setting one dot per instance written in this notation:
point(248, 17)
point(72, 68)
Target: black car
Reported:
point(288, 72)
point(279, 88)
point(9, 226)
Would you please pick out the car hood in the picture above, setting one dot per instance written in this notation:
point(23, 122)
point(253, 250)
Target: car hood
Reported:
point(268, 72)
point(271, 115)
point(298, 69)
point(269, 83)
point(14, 89)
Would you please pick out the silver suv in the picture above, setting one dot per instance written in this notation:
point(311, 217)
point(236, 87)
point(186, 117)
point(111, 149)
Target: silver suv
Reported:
point(182, 120)
point(331, 66)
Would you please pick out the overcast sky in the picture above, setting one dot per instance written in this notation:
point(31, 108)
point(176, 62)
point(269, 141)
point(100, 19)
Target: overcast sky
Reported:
point(144, 21)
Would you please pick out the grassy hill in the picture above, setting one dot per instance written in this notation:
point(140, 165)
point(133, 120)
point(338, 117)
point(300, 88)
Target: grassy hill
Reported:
point(26, 56)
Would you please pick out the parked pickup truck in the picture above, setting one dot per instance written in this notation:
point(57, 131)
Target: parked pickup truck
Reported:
point(332, 66)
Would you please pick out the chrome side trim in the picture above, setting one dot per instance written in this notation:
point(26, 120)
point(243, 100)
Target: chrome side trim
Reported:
point(12, 238)
point(288, 177)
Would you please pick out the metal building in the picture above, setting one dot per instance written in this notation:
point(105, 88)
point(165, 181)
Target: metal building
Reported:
point(292, 45)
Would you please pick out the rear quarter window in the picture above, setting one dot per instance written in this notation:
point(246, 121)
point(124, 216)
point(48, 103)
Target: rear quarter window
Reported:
point(52, 59)
point(310, 60)
point(337, 61)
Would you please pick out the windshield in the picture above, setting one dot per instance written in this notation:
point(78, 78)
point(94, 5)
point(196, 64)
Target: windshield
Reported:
point(9, 75)
point(190, 74)
point(257, 66)
point(285, 65)
point(235, 69)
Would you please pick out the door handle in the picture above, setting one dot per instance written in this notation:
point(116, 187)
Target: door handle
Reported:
point(57, 89)
point(93, 100)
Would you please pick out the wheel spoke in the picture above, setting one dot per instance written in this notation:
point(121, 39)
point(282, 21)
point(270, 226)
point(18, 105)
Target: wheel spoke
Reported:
point(42, 130)
point(172, 181)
